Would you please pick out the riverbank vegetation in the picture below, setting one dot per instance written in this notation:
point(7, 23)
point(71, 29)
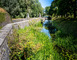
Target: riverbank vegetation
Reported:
point(64, 18)
point(31, 44)
point(66, 38)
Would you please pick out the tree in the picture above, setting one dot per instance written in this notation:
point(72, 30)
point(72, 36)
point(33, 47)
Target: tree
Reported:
point(20, 8)
point(47, 10)
point(53, 8)
point(63, 7)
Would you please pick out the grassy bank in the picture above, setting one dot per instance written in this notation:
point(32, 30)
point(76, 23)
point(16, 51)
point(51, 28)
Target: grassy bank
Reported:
point(31, 44)
point(66, 38)
point(66, 25)
point(2, 18)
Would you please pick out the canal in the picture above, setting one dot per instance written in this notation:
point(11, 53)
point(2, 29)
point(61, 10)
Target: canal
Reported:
point(48, 28)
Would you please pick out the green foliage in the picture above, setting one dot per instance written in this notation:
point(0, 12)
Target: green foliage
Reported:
point(64, 13)
point(35, 24)
point(66, 25)
point(66, 46)
point(20, 8)
point(31, 44)
point(47, 10)
point(63, 8)
point(65, 41)
point(0, 27)
point(22, 15)
point(66, 38)
point(2, 17)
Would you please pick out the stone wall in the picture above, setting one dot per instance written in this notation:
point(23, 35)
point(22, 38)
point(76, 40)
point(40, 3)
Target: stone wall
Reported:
point(4, 49)
point(6, 32)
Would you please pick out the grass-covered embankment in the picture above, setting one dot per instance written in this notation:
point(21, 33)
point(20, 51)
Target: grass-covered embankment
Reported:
point(4, 18)
point(31, 44)
point(66, 38)
point(2, 15)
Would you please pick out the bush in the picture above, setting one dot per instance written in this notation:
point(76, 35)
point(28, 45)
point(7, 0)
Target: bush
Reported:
point(2, 17)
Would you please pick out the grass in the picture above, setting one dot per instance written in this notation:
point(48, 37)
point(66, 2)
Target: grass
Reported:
point(36, 43)
point(0, 27)
point(66, 38)
point(67, 26)
point(31, 44)
point(2, 17)
point(66, 46)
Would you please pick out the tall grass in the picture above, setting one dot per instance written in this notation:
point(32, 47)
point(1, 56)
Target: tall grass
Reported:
point(66, 38)
point(33, 45)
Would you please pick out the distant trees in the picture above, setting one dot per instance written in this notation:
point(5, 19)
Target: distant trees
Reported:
point(20, 8)
point(47, 9)
point(63, 7)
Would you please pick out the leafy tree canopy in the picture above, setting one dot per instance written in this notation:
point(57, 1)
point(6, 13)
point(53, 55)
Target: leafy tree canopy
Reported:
point(63, 7)
point(20, 8)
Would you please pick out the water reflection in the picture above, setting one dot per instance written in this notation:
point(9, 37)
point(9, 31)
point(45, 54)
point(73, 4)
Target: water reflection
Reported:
point(48, 29)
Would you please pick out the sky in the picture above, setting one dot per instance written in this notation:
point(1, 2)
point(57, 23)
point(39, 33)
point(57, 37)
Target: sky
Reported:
point(45, 3)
